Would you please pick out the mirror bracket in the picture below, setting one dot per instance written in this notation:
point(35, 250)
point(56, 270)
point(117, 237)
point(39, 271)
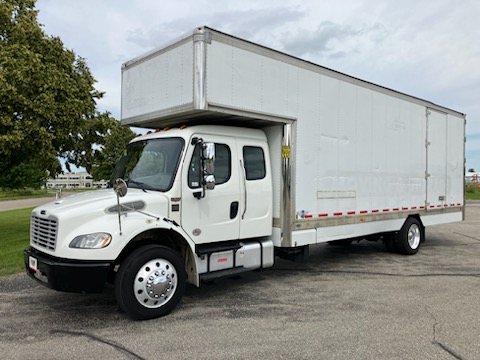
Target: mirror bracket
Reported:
point(120, 188)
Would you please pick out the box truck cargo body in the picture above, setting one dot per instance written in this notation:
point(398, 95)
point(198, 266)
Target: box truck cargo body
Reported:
point(254, 154)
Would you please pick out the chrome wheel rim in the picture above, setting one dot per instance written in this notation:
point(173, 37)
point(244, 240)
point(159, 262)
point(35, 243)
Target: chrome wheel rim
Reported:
point(155, 283)
point(414, 236)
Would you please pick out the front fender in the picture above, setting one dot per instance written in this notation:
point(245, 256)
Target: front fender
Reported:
point(167, 233)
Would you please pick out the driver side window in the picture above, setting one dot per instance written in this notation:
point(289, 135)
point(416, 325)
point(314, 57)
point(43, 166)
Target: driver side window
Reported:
point(223, 166)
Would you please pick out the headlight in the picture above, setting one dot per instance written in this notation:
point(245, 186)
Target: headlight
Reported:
point(91, 241)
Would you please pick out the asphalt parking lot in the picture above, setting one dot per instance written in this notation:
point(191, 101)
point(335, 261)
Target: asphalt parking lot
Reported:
point(358, 302)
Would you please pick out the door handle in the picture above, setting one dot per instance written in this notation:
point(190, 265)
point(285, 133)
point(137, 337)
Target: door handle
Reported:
point(233, 209)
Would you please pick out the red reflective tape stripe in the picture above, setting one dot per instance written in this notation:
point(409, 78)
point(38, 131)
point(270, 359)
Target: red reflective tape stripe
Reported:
point(396, 209)
point(308, 216)
point(432, 206)
point(363, 211)
point(459, 204)
point(404, 208)
point(452, 204)
point(422, 207)
point(446, 205)
point(351, 213)
point(386, 210)
point(439, 205)
point(337, 213)
point(322, 215)
point(413, 208)
point(374, 211)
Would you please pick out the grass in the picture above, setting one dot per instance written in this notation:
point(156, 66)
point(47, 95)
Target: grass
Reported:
point(34, 193)
point(15, 229)
point(22, 194)
point(472, 192)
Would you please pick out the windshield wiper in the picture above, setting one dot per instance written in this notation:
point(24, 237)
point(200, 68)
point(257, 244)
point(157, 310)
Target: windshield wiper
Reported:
point(139, 184)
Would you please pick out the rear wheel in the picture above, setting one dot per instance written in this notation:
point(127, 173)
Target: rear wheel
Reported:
point(150, 282)
point(410, 236)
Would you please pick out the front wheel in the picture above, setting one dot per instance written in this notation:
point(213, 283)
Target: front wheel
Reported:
point(410, 236)
point(150, 282)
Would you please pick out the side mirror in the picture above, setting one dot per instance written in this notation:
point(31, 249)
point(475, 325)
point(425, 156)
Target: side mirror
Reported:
point(120, 187)
point(209, 181)
point(208, 156)
point(207, 178)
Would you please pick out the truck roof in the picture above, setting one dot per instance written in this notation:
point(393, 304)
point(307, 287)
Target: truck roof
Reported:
point(180, 93)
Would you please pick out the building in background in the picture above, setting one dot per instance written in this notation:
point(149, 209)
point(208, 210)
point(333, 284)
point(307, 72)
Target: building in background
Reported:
point(75, 181)
point(472, 178)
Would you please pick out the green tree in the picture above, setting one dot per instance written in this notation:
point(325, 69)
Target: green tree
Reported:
point(105, 157)
point(48, 98)
point(24, 175)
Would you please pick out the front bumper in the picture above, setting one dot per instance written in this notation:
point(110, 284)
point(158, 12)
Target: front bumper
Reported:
point(66, 274)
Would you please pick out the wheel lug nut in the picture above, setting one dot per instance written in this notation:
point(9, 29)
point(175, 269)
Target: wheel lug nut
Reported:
point(157, 273)
point(163, 272)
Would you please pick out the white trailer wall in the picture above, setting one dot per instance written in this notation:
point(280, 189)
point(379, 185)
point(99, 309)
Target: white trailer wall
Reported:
point(163, 81)
point(359, 149)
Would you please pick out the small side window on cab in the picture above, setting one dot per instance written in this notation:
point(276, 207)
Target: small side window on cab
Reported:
point(254, 160)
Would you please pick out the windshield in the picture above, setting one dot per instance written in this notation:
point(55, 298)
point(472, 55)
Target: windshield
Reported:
point(150, 164)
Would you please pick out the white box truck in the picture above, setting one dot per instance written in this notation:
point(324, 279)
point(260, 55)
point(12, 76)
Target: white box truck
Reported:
point(255, 154)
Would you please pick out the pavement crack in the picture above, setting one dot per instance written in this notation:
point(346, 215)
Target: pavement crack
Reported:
point(353, 272)
point(467, 236)
point(116, 346)
point(438, 343)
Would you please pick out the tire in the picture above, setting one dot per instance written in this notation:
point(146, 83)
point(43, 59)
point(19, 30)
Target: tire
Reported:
point(410, 236)
point(150, 282)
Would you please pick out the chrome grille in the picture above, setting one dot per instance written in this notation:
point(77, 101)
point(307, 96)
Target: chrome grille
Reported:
point(43, 232)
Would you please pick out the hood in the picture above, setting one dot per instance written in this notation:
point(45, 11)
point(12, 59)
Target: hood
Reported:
point(104, 201)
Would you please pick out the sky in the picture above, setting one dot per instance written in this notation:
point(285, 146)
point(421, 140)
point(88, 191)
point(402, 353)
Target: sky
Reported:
point(428, 49)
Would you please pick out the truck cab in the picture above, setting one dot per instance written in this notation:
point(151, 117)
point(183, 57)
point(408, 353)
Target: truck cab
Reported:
point(202, 194)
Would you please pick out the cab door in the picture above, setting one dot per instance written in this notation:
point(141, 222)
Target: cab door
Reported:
point(214, 217)
point(255, 189)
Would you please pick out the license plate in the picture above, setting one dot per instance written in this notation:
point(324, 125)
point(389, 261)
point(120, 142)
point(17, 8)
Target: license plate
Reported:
point(32, 263)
